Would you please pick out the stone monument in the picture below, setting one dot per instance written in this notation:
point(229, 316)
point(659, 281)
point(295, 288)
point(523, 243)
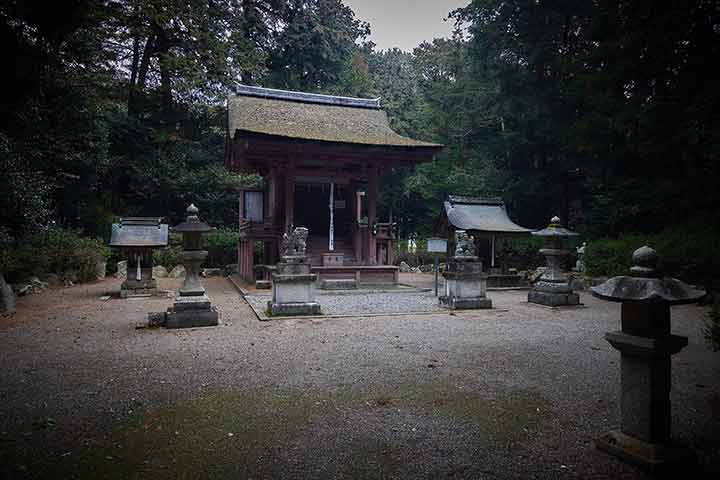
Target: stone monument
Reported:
point(137, 237)
point(645, 345)
point(554, 288)
point(580, 262)
point(465, 284)
point(192, 306)
point(293, 286)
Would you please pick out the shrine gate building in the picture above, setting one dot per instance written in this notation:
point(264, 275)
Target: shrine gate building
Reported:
point(320, 157)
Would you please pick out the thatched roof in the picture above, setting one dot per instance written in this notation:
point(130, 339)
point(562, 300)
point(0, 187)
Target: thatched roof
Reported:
point(325, 118)
point(480, 215)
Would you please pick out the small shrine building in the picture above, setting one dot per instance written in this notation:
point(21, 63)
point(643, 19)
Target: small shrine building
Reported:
point(485, 219)
point(321, 158)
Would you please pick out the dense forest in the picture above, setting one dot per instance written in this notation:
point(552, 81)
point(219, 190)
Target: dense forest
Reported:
point(604, 112)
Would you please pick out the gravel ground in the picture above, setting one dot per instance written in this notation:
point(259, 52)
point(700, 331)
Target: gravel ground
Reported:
point(367, 303)
point(516, 392)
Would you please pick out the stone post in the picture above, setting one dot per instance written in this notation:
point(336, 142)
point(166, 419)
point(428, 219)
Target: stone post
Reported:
point(465, 284)
point(645, 344)
point(192, 306)
point(553, 288)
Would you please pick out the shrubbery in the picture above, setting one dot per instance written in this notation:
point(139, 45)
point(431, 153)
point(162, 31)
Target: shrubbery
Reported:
point(419, 257)
point(221, 245)
point(693, 257)
point(65, 253)
point(519, 252)
point(712, 326)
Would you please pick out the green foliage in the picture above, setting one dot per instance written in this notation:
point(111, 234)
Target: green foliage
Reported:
point(220, 244)
point(712, 326)
point(222, 247)
point(691, 256)
point(25, 194)
point(419, 257)
point(592, 111)
point(521, 253)
point(315, 46)
point(65, 253)
point(168, 257)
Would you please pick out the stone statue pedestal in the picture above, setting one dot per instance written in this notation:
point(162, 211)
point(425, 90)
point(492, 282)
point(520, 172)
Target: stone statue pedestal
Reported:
point(293, 288)
point(553, 287)
point(192, 306)
point(465, 285)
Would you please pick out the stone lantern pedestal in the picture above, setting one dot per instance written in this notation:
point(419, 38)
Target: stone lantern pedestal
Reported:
point(553, 287)
point(293, 286)
point(646, 345)
point(192, 306)
point(465, 284)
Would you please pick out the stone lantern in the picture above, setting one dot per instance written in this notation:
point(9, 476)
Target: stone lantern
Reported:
point(553, 287)
point(192, 306)
point(645, 345)
point(465, 284)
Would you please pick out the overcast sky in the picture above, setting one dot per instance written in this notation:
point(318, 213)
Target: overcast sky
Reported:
point(405, 23)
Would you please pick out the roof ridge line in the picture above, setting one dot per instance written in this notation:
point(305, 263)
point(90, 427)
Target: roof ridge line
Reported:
point(317, 98)
point(466, 199)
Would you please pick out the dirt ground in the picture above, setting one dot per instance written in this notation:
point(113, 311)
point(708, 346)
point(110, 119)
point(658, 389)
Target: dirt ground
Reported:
point(520, 391)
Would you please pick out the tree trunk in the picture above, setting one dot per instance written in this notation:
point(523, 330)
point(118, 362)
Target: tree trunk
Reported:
point(166, 100)
point(139, 85)
point(133, 72)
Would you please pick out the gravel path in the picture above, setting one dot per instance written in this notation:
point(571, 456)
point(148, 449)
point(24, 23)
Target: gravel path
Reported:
point(516, 392)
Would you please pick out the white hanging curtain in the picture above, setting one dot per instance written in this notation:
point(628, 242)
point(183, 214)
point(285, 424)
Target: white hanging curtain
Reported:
point(331, 236)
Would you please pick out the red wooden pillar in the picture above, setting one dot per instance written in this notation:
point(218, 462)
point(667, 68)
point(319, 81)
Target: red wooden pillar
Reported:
point(290, 200)
point(272, 196)
point(372, 213)
point(240, 259)
point(245, 259)
point(250, 250)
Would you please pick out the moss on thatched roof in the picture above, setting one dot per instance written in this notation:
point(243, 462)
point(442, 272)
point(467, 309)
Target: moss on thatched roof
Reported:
point(313, 117)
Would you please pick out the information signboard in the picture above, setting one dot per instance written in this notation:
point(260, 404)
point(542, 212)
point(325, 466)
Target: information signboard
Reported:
point(436, 245)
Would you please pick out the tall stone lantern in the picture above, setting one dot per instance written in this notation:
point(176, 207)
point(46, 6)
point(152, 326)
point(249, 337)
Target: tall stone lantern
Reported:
point(192, 306)
point(645, 345)
point(553, 287)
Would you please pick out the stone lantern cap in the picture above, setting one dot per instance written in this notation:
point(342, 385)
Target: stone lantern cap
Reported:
point(193, 223)
point(645, 285)
point(554, 229)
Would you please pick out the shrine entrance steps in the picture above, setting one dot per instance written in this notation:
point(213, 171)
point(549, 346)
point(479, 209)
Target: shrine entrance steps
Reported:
point(317, 245)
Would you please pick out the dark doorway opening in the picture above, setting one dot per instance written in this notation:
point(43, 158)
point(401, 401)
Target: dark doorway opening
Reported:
point(312, 208)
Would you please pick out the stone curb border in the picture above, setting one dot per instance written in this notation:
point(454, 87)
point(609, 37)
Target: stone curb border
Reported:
point(453, 313)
